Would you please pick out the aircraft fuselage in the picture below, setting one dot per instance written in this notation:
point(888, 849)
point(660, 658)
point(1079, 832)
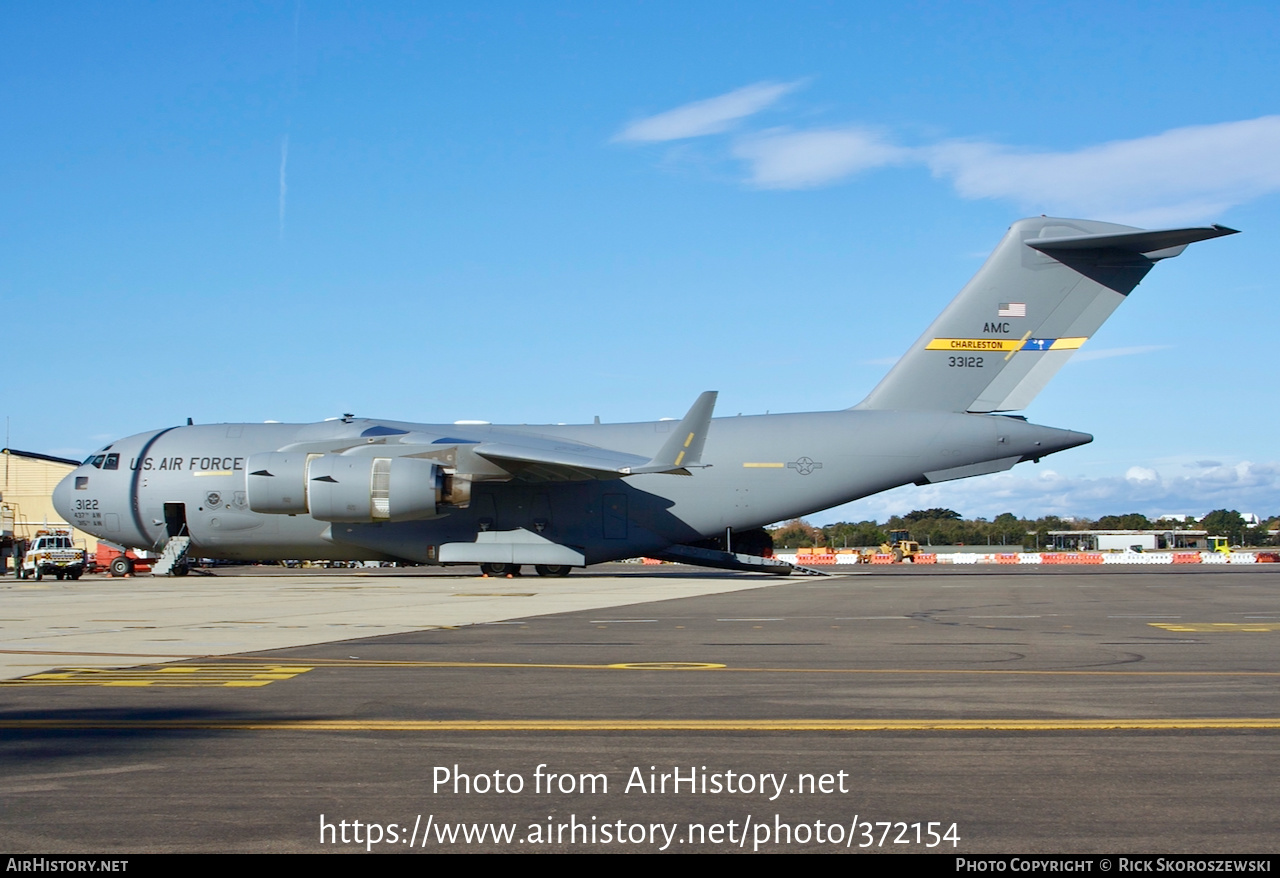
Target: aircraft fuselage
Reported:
point(564, 496)
point(755, 470)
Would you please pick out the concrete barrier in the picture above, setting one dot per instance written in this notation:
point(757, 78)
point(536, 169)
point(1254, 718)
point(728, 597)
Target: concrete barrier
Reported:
point(1079, 558)
point(1126, 558)
point(817, 560)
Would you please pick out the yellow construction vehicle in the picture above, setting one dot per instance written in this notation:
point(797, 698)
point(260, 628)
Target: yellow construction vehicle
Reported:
point(1219, 544)
point(900, 546)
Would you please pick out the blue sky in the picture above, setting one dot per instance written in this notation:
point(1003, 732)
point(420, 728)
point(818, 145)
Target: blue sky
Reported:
point(544, 212)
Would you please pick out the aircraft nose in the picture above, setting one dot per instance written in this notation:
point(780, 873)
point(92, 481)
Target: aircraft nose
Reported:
point(62, 497)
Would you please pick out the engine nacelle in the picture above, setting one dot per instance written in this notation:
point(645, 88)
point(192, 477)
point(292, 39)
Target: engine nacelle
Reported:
point(276, 482)
point(346, 488)
point(349, 488)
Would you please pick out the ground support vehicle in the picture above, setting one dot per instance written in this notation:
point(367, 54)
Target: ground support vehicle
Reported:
point(52, 553)
point(118, 562)
point(900, 546)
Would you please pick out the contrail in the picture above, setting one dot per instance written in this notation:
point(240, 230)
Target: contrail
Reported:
point(284, 184)
point(289, 97)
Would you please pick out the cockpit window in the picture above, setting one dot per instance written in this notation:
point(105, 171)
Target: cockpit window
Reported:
point(98, 457)
point(112, 462)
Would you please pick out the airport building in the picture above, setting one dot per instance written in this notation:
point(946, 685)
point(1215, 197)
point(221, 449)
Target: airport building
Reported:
point(1127, 540)
point(27, 480)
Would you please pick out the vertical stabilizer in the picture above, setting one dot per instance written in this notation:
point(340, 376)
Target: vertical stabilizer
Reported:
point(1042, 294)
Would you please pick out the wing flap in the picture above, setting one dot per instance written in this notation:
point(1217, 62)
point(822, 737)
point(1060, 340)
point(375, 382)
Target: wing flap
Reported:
point(561, 462)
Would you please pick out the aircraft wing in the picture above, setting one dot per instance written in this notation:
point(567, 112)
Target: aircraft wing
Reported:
point(546, 459)
point(557, 461)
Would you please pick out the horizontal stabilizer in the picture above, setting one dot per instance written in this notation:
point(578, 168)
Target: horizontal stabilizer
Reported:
point(1141, 241)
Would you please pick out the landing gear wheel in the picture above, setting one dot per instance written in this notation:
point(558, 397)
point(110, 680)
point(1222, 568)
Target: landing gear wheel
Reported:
point(121, 566)
point(553, 569)
point(500, 569)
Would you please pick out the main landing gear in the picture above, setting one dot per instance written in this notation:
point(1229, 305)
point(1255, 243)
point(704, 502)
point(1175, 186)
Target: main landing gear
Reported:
point(514, 569)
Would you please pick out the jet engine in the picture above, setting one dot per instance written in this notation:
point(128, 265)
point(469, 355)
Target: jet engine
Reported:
point(340, 487)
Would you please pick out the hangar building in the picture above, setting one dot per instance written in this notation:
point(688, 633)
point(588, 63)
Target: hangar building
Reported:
point(27, 480)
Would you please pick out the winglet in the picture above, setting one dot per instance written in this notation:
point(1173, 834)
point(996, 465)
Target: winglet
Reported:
point(684, 447)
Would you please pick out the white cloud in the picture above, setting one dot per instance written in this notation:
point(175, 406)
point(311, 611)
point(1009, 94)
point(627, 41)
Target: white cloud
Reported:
point(1024, 492)
point(804, 159)
point(1182, 175)
point(1179, 175)
point(1188, 174)
point(1107, 353)
point(711, 116)
point(1141, 474)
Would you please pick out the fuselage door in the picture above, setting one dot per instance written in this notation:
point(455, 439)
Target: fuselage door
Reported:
point(615, 516)
point(175, 519)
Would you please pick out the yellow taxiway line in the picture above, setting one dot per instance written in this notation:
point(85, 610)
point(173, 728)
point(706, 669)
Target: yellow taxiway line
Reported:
point(231, 667)
point(655, 725)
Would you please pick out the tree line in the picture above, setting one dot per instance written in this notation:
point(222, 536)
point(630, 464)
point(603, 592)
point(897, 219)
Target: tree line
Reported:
point(946, 527)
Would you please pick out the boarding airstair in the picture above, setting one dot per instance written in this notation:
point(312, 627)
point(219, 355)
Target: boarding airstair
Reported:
point(173, 560)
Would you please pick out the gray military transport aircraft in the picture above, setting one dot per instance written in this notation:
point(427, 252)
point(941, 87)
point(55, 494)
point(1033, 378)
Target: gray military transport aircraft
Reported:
point(696, 490)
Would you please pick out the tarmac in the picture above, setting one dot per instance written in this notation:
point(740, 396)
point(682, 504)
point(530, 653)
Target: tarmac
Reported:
point(954, 710)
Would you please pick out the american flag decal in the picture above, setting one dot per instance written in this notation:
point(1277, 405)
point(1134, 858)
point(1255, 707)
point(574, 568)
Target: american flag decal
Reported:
point(1012, 309)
